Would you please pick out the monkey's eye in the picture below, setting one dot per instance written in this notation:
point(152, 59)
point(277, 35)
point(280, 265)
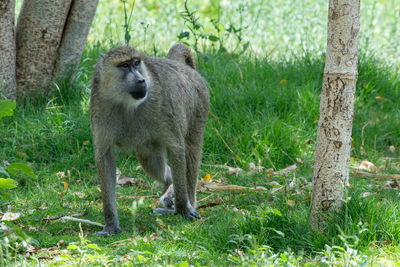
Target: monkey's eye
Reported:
point(136, 62)
point(124, 65)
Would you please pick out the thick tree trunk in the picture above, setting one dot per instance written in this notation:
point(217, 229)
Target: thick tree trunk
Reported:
point(39, 31)
point(7, 49)
point(331, 165)
point(74, 37)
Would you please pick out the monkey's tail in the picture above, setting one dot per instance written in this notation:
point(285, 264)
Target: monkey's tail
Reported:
point(182, 53)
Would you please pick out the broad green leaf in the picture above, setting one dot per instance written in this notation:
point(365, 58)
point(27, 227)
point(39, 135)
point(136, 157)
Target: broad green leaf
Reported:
point(183, 35)
point(3, 171)
point(14, 168)
point(7, 183)
point(72, 247)
point(7, 108)
point(183, 264)
point(93, 246)
point(213, 38)
point(277, 212)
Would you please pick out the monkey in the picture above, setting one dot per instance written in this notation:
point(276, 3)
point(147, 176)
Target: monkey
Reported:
point(156, 108)
point(183, 54)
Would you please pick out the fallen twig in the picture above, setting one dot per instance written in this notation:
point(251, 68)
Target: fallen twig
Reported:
point(359, 173)
point(70, 218)
point(230, 187)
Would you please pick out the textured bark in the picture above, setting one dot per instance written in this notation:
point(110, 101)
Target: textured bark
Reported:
point(331, 165)
point(74, 37)
point(7, 49)
point(39, 31)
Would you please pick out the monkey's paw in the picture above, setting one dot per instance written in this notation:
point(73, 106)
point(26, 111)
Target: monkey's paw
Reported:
point(106, 232)
point(190, 213)
point(167, 199)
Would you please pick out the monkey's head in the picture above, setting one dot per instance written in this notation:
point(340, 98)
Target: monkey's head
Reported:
point(124, 77)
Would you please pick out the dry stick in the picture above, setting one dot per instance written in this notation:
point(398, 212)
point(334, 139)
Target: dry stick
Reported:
point(70, 218)
point(230, 187)
point(378, 176)
point(362, 133)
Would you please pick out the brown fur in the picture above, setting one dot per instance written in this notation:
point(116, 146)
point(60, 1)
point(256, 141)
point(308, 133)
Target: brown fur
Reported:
point(169, 121)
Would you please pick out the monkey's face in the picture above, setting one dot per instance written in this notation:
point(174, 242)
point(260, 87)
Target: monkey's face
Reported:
point(125, 77)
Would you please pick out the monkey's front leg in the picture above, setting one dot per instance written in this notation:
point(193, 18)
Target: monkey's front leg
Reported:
point(106, 168)
point(176, 157)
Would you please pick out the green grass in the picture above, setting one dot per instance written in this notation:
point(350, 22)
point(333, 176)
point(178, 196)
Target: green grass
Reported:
point(264, 106)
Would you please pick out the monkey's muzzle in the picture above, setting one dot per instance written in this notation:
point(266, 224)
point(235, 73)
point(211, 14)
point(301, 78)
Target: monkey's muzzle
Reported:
point(139, 91)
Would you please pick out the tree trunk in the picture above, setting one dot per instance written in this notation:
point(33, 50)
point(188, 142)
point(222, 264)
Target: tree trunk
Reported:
point(74, 37)
point(39, 32)
point(7, 49)
point(331, 165)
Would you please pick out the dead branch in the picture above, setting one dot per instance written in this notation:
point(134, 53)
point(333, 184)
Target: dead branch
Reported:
point(359, 173)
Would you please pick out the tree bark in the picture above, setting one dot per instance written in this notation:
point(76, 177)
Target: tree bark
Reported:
point(7, 49)
point(331, 165)
point(74, 37)
point(39, 32)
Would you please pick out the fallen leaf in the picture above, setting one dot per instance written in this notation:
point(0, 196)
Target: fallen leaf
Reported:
point(125, 181)
point(368, 166)
point(22, 154)
point(80, 194)
point(291, 203)
point(65, 186)
point(379, 98)
point(270, 172)
point(86, 142)
point(234, 171)
point(283, 82)
point(61, 243)
point(392, 149)
point(291, 168)
point(61, 175)
point(254, 168)
point(153, 236)
point(10, 216)
point(207, 177)
point(299, 160)
point(392, 184)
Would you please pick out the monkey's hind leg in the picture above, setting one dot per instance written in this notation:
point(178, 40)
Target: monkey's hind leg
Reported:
point(154, 164)
point(176, 157)
point(194, 142)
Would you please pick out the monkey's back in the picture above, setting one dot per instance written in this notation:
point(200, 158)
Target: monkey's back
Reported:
point(184, 93)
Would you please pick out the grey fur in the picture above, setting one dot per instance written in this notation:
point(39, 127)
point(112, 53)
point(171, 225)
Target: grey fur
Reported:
point(168, 122)
point(183, 54)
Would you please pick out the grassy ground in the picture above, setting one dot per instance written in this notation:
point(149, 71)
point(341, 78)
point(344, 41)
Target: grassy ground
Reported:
point(264, 107)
